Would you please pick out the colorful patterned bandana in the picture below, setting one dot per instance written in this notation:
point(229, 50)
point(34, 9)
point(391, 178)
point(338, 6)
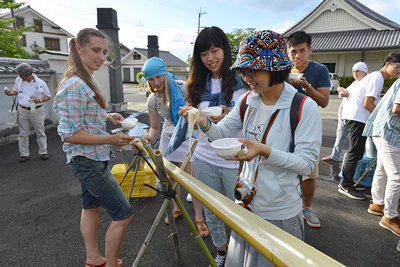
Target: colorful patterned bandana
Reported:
point(263, 50)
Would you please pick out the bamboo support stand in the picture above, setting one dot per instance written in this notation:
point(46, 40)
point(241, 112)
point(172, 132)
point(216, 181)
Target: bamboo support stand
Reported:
point(167, 207)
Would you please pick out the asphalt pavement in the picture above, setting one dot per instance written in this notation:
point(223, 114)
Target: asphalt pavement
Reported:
point(40, 212)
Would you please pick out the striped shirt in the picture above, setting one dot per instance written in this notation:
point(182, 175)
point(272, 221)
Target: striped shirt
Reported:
point(383, 122)
point(77, 110)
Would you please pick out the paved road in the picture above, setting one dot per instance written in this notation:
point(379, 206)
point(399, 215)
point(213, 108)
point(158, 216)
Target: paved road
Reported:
point(40, 212)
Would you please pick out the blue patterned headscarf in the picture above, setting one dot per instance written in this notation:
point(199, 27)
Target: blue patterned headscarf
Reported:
point(156, 66)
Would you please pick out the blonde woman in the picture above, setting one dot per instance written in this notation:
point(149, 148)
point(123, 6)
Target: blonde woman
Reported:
point(80, 109)
point(165, 99)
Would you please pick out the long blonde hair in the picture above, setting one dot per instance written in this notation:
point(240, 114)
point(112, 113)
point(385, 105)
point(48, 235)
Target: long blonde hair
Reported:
point(75, 66)
point(166, 97)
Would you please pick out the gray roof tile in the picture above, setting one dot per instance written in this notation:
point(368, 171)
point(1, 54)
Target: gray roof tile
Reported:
point(356, 40)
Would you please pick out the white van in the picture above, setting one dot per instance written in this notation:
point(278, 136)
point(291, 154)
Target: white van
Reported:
point(334, 82)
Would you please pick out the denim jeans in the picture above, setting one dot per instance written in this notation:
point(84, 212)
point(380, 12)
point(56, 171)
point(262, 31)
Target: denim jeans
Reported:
point(99, 187)
point(341, 134)
point(217, 178)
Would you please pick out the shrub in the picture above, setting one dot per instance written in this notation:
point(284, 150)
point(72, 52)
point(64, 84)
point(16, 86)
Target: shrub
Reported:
point(346, 81)
point(387, 84)
point(139, 75)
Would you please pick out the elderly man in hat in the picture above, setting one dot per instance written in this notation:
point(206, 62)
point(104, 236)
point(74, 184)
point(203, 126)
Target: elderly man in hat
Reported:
point(30, 89)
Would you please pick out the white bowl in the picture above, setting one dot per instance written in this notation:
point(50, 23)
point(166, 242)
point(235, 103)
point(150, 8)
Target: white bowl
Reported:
point(128, 124)
point(295, 76)
point(226, 148)
point(169, 130)
point(212, 111)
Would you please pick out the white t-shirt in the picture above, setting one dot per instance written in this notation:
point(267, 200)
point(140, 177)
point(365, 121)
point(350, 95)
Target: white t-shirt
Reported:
point(155, 102)
point(371, 85)
point(203, 150)
point(255, 130)
point(26, 89)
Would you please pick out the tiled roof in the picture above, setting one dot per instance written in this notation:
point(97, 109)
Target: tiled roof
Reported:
point(359, 8)
point(372, 14)
point(356, 40)
point(169, 59)
point(7, 65)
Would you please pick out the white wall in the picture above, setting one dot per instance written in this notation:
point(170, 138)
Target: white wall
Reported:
point(48, 32)
point(345, 60)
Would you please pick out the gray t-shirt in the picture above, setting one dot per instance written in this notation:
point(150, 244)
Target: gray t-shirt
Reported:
point(317, 75)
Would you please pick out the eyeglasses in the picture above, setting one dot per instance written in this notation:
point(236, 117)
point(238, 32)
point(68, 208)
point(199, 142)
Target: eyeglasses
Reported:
point(395, 66)
point(249, 72)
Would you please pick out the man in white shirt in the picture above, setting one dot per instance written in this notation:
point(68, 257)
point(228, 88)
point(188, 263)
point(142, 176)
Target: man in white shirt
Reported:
point(362, 101)
point(30, 89)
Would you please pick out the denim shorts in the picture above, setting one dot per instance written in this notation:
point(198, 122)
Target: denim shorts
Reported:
point(99, 187)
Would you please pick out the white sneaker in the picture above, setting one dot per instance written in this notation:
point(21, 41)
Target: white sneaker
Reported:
point(189, 197)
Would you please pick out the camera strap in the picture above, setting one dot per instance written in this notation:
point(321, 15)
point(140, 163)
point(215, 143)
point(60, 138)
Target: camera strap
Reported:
point(264, 138)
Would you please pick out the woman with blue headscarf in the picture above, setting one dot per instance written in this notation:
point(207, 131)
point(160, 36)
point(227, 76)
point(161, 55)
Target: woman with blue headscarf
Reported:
point(166, 97)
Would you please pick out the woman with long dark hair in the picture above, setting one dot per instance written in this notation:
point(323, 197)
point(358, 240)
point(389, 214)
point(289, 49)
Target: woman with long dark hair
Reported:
point(212, 83)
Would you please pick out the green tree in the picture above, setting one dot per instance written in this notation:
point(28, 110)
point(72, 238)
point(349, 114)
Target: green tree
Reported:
point(235, 37)
point(9, 36)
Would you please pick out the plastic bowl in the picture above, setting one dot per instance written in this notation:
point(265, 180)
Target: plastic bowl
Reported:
point(129, 124)
point(169, 130)
point(212, 111)
point(226, 148)
point(295, 76)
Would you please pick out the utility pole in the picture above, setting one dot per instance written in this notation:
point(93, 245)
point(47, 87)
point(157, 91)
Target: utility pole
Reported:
point(198, 25)
point(14, 26)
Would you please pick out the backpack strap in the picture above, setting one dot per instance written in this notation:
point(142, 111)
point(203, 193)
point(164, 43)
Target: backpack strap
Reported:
point(243, 107)
point(295, 114)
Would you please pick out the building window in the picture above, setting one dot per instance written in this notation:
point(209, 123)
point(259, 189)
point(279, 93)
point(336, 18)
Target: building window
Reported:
point(331, 66)
point(52, 44)
point(38, 23)
point(20, 22)
point(136, 56)
point(23, 40)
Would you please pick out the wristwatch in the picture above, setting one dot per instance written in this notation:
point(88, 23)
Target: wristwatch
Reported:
point(41, 100)
point(305, 89)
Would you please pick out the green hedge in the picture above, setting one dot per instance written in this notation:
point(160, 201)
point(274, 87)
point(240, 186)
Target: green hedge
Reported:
point(346, 81)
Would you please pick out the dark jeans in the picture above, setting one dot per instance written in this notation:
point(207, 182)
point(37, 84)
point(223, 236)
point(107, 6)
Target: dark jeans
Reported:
point(355, 151)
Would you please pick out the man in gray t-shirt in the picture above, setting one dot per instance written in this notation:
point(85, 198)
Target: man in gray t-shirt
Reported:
point(316, 84)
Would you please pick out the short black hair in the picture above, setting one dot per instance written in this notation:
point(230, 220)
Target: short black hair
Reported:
point(393, 57)
point(298, 37)
point(277, 77)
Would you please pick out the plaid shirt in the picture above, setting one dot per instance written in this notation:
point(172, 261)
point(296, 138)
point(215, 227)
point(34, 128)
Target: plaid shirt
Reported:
point(77, 110)
point(383, 122)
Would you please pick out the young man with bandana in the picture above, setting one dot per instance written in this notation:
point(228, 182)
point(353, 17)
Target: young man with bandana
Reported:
point(315, 83)
point(362, 103)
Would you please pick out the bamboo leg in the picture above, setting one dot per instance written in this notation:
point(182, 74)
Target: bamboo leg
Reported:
point(166, 206)
point(164, 185)
point(134, 176)
point(366, 171)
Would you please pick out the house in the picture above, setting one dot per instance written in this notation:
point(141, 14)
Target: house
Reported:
point(123, 50)
point(345, 32)
point(133, 62)
point(48, 35)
